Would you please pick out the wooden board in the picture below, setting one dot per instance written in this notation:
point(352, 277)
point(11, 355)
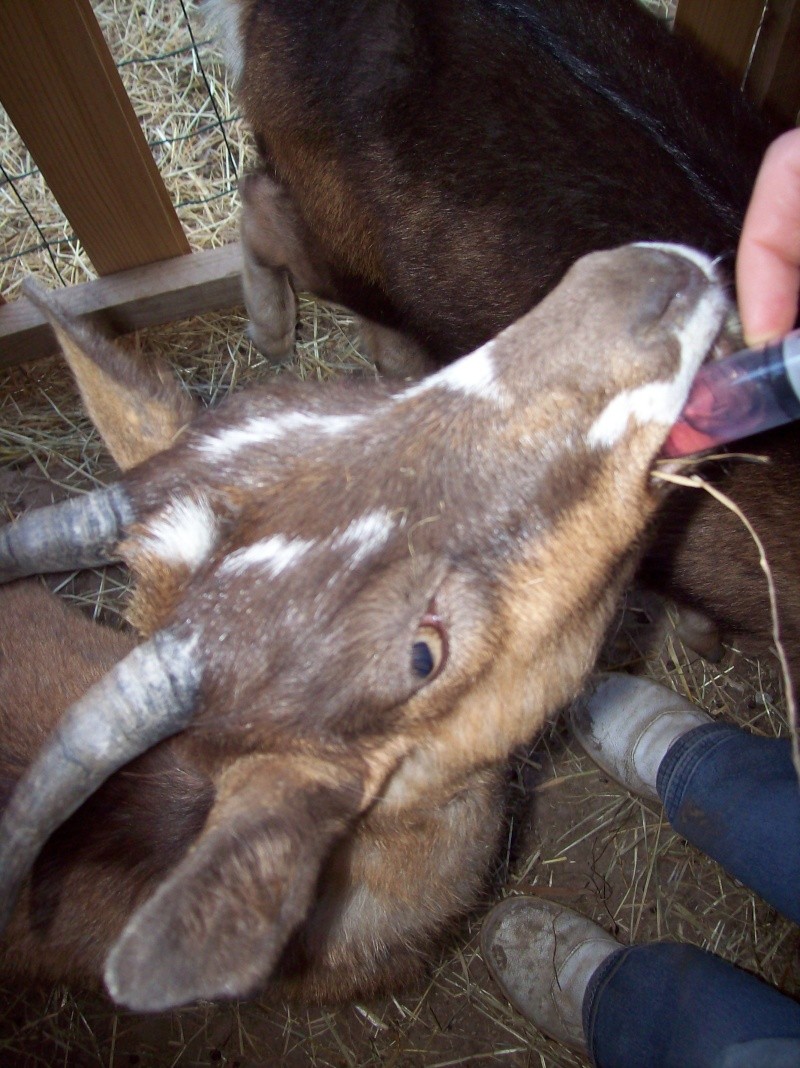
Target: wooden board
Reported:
point(63, 93)
point(725, 30)
point(758, 44)
point(774, 78)
point(145, 296)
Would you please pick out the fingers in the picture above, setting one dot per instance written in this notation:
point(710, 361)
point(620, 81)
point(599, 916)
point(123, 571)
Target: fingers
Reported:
point(768, 261)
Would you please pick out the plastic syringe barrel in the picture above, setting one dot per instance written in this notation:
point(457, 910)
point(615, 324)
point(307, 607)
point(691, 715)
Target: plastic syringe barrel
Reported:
point(743, 394)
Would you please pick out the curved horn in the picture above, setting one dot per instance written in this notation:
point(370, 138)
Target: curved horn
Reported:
point(147, 697)
point(77, 533)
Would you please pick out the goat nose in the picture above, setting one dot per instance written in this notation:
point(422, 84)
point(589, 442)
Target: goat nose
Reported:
point(674, 287)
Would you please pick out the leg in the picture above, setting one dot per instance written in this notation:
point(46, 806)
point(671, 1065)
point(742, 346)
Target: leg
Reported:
point(671, 1006)
point(277, 255)
point(733, 795)
point(272, 307)
point(699, 632)
point(280, 256)
point(395, 354)
point(655, 1006)
point(736, 797)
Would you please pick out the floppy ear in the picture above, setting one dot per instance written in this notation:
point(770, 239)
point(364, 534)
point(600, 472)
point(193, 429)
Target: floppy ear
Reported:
point(216, 927)
point(137, 405)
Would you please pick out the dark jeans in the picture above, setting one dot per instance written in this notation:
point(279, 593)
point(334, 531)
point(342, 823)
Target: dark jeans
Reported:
point(737, 798)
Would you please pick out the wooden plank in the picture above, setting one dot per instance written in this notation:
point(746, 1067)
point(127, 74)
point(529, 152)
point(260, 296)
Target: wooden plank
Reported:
point(774, 78)
point(63, 93)
point(145, 296)
point(725, 31)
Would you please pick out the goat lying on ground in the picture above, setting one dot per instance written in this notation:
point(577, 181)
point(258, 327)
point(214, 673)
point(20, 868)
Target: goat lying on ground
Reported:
point(356, 600)
point(435, 165)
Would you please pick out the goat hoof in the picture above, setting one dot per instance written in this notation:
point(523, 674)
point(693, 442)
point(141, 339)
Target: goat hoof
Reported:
point(277, 349)
point(700, 633)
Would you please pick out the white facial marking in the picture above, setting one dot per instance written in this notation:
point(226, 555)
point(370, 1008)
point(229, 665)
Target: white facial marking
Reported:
point(699, 259)
point(474, 375)
point(367, 534)
point(260, 430)
point(661, 402)
point(184, 533)
point(276, 555)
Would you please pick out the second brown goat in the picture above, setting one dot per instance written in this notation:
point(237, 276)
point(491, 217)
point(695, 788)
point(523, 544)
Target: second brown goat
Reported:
point(436, 165)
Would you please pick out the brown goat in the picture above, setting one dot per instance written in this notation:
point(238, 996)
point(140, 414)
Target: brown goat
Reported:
point(356, 600)
point(436, 167)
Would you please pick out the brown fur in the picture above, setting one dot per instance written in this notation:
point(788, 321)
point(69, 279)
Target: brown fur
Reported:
point(734, 588)
point(50, 655)
point(444, 163)
point(331, 810)
point(139, 407)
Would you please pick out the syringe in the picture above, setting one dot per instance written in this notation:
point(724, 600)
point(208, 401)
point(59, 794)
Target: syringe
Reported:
point(740, 395)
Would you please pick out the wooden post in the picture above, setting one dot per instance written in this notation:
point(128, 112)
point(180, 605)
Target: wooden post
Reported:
point(63, 93)
point(724, 30)
point(728, 32)
point(774, 78)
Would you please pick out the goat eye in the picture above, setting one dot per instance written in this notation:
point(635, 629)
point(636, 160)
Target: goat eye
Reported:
point(429, 651)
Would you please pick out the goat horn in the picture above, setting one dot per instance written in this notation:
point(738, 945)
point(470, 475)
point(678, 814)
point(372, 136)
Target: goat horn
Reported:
point(77, 533)
point(146, 697)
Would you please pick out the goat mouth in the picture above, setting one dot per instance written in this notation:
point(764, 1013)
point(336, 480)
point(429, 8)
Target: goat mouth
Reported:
point(725, 403)
point(729, 340)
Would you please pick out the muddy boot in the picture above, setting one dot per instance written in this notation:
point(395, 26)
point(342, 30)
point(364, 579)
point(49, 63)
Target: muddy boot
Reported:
point(542, 957)
point(626, 725)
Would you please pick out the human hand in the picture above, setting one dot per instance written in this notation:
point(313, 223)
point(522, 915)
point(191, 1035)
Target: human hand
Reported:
point(768, 260)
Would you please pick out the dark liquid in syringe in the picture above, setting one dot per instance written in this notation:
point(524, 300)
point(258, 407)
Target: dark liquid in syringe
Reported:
point(743, 394)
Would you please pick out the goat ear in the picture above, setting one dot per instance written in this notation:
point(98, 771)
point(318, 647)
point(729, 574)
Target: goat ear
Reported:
point(137, 405)
point(216, 927)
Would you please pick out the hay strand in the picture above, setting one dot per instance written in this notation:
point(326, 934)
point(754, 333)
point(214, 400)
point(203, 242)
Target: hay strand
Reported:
point(696, 482)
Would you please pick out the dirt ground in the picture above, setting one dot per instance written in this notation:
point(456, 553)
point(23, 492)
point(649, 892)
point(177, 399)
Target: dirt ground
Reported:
point(572, 835)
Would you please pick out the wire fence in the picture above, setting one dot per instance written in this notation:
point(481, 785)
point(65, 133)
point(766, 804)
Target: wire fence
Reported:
point(173, 74)
point(175, 78)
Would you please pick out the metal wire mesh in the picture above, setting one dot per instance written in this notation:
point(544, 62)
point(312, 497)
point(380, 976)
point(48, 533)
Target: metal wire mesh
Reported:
point(190, 122)
point(189, 119)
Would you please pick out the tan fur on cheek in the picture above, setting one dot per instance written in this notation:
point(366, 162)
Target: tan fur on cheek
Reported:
point(387, 917)
point(157, 590)
point(551, 619)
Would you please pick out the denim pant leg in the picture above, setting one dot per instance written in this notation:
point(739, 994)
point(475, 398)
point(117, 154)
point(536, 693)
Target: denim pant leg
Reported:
point(675, 1006)
point(736, 797)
